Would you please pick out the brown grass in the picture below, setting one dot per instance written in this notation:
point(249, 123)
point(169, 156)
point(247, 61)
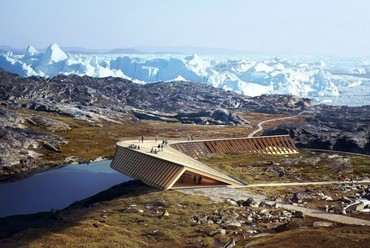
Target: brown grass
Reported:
point(87, 141)
point(106, 220)
point(347, 236)
point(305, 166)
point(82, 226)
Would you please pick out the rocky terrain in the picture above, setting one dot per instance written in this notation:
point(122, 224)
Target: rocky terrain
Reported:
point(72, 95)
point(19, 146)
point(173, 219)
point(115, 100)
point(42, 117)
point(25, 138)
point(346, 199)
point(331, 128)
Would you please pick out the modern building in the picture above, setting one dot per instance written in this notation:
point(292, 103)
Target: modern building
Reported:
point(175, 165)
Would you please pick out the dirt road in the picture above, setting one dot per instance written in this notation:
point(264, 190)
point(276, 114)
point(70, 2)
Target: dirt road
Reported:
point(260, 127)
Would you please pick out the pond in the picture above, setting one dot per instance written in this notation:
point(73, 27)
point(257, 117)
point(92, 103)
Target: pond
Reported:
point(57, 188)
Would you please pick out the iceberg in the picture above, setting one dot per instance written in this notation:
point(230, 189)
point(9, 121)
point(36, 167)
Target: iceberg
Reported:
point(318, 78)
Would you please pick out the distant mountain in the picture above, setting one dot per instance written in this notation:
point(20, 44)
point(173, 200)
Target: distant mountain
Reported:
point(123, 51)
point(81, 50)
point(5, 49)
point(141, 50)
point(337, 81)
point(193, 50)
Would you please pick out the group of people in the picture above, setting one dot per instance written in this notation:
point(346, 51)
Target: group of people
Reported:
point(153, 150)
point(164, 142)
point(133, 146)
point(159, 147)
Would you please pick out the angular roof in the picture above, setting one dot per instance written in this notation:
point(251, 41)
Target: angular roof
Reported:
point(277, 144)
point(163, 169)
point(153, 171)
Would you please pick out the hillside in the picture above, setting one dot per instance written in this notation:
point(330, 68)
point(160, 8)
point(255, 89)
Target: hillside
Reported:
point(51, 121)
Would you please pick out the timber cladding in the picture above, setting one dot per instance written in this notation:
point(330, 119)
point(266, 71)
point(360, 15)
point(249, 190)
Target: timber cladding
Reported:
point(153, 171)
point(281, 144)
point(193, 149)
point(167, 167)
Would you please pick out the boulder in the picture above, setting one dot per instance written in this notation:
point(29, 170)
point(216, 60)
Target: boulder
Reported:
point(268, 204)
point(164, 214)
point(297, 197)
point(230, 243)
point(232, 202)
point(233, 223)
point(287, 214)
point(323, 224)
point(212, 117)
point(299, 214)
point(240, 203)
point(247, 202)
point(50, 147)
point(354, 207)
point(254, 204)
point(367, 196)
point(219, 230)
point(48, 124)
point(249, 220)
point(327, 198)
point(287, 201)
point(345, 200)
point(264, 212)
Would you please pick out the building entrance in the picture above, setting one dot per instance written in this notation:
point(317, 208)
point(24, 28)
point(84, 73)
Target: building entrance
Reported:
point(191, 179)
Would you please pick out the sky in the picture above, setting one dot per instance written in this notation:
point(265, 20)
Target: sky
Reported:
point(311, 27)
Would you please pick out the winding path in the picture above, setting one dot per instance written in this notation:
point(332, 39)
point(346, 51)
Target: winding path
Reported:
point(260, 127)
point(303, 183)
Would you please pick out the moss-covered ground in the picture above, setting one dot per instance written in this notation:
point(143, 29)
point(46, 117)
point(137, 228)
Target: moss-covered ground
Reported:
point(301, 167)
point(114, 218)
point(119, 217)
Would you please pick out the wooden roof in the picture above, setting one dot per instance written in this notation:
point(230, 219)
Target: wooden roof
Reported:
point(153, 171)
point(279, 144)
point(163, 169)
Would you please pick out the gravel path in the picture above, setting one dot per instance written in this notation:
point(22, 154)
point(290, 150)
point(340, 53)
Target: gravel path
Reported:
point(304, 183)
point(220, 194)
point(260, 127)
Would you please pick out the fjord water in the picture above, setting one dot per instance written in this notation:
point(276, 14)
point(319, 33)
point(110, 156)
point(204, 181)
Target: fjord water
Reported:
point(57, 188)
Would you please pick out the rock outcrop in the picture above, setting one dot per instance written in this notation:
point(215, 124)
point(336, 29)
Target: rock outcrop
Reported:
point(18, 145)
point(337, 128)
point(212, 117)
point(77, 96)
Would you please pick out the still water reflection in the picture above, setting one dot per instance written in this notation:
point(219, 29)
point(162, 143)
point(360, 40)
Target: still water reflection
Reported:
point(57, 188)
